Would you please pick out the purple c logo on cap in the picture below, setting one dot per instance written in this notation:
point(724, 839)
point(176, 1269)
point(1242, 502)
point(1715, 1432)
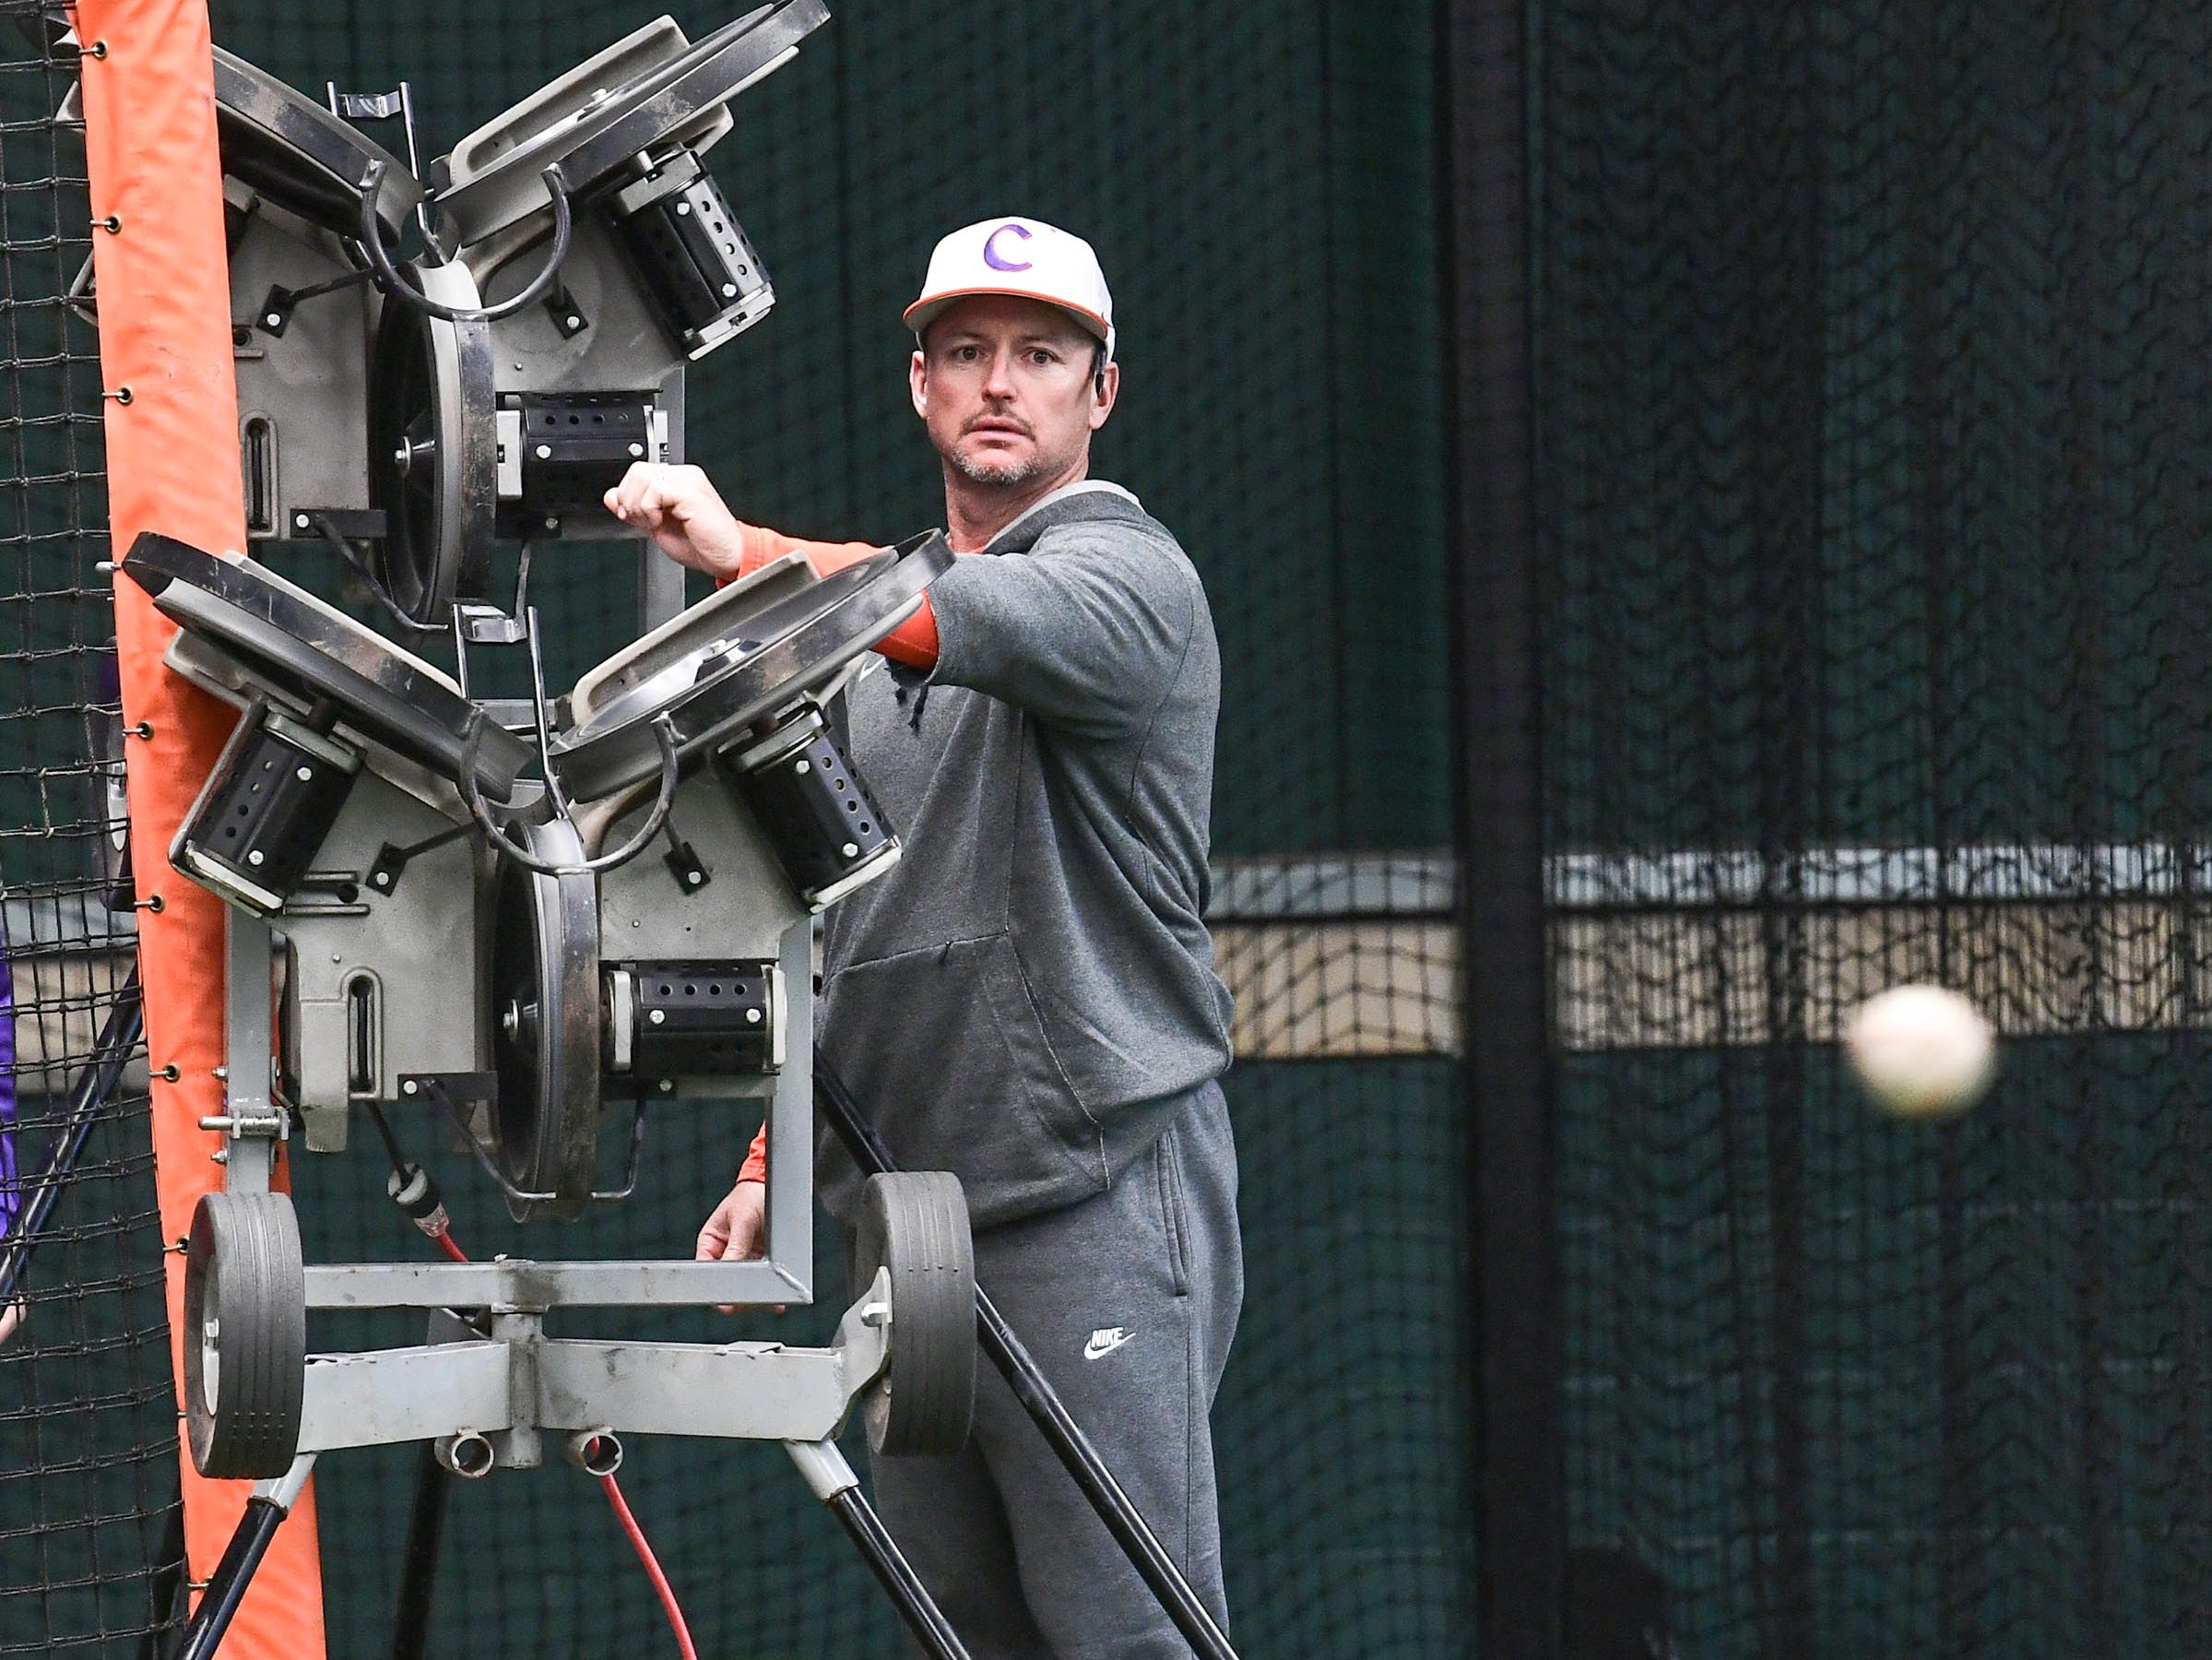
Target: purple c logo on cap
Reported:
point(991, 248)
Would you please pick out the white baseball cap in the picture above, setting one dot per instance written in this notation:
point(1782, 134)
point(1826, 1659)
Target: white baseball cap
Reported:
point(1022, 256)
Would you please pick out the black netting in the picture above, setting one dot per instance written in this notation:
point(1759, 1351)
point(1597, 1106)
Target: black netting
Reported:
point(88, 1446)
point(1871, 364)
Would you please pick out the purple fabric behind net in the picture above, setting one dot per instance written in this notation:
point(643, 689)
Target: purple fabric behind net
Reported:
point(11, 1197)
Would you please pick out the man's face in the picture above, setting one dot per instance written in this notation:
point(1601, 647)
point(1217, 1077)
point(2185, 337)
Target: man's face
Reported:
point(1005, 386)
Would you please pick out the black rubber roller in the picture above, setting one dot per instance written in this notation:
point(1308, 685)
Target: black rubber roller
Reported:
point(915, 1223)
point(245, 1335)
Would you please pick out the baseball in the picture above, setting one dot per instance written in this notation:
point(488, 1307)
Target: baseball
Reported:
point(1921, 1051)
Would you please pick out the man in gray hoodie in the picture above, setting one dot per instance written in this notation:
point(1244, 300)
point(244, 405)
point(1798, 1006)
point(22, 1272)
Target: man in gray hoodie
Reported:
point(1028, 999)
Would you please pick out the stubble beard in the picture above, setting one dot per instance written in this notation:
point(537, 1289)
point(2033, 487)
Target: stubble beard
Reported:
point(998, 475)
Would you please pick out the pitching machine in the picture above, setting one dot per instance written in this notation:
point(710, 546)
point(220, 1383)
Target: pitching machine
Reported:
point(536, 924)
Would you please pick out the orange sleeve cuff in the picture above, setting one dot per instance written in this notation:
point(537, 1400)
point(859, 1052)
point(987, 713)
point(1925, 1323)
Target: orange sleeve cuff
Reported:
point(755, 1167)
point(912, 642)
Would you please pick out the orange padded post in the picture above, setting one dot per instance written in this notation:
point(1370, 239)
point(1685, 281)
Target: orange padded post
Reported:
point(163, 283)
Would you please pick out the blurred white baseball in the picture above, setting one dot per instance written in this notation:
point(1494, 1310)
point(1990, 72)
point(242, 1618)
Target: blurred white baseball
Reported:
point(1921, 1051)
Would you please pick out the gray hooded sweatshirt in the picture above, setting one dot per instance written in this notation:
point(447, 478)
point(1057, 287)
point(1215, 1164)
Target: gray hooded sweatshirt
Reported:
point(1029, 995)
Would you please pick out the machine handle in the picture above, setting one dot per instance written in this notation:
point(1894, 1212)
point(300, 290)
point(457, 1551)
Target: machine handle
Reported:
point(389, 279)
point(664, 737)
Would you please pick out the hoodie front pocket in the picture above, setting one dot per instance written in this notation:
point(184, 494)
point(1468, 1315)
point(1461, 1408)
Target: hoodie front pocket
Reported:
point(943, 1047)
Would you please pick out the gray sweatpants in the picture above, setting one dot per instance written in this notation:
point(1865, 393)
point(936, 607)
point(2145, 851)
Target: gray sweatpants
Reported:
point(1128, 1302)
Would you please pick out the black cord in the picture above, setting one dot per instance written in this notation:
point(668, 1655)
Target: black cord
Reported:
point(400, 1166)
point(337, 538)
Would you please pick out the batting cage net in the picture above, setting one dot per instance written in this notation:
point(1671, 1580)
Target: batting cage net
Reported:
point(88, 1443)
point(1872, 373)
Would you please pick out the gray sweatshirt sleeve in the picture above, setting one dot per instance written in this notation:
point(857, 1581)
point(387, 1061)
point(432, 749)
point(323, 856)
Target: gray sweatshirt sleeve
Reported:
point(1086, 631)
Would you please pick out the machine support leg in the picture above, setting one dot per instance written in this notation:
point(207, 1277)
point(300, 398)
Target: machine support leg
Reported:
point(418, 1569)
point(1031, 1387)
point(90, 1093)
point(835, 1484)
point(167, 1582)
point(266, 1509)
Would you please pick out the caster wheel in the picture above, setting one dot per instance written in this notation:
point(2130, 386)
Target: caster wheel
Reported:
point(245, 1335)
point(915, 1223)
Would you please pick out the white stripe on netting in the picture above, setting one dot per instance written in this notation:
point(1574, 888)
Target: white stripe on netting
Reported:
point(1408, 886)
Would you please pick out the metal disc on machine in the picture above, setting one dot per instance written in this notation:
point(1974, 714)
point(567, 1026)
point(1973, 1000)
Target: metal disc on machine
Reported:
point(310, 650)
point(600, 118)
point(546, 1021)
point(434, 449)
point(299, 156)
point(744, 653)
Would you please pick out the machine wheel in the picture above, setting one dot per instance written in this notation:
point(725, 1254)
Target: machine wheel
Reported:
point(245, 1335)
point(754, 648)
point(915, 1223)
point(545, 1003)
point(434, 449)
point(298, 154)
point(307, 651)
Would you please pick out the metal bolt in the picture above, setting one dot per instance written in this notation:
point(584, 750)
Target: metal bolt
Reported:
point(802, 769)
point(695, 877)
point(752, 1017)
point(383, 879)
point(222, 1071)
point(275, 319)
point(850, 848)
point(637, 449)
point(552, 523)
point(668, 1086)
point(545, 452)
point(683, 209)
point(306, 773)
point(256, 857)
point(211, 1332)
point(301, 521)
point(576, 322)
point(411, 1087)
point(222, 1156)
point(658, 1017)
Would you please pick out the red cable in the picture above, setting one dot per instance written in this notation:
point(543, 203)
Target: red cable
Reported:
point(622, 1509)
point(644, 1555)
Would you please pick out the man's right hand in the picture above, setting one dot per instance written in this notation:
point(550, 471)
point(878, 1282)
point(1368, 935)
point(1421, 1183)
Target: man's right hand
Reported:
point(685, 515)
point(738, 1229)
